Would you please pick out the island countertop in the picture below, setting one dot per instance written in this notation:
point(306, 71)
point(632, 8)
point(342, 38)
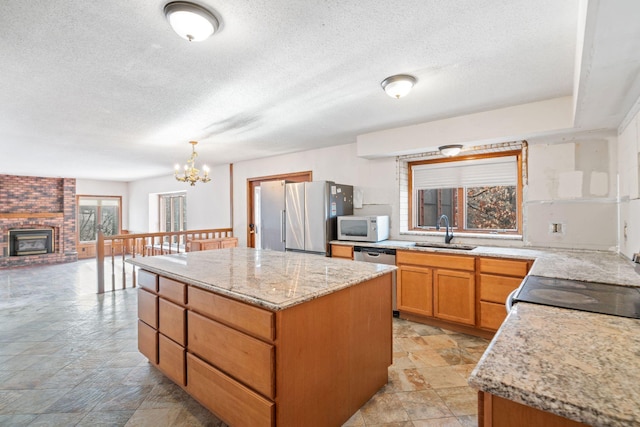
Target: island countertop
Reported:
point(270, 279)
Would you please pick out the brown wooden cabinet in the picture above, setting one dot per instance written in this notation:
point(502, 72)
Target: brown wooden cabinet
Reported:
point(256, 367)
point(415, 290)
point(464, 293)
point(497, 278)
point(436, 285)
point(494, 411)
point(162, 324)
point(209, 244)
point(454, 296)
point(342, 251)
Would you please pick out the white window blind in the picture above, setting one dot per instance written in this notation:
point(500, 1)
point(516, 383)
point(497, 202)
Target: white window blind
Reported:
point(493, 171)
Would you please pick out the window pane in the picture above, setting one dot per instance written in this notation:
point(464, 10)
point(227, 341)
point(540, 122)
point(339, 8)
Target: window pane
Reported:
point(184, 212)
point(87, 223)
point(491, 208)
point(109, 220)
point(435, 203)
point(176, 214)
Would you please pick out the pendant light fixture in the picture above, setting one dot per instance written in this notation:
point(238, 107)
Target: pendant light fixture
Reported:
point(399, 85)
point(191, 21)
point(191, 174)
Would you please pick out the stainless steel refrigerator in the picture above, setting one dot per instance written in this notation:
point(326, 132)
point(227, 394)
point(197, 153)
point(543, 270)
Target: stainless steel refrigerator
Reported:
point(302, 216)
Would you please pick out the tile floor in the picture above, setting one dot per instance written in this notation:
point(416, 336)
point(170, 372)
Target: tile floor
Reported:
point(68, 357)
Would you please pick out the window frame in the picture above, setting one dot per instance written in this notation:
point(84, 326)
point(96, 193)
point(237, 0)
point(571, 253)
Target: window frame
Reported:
point(99, 213)
point(461, 199)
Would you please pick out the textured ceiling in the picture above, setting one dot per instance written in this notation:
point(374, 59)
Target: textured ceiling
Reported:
point(106, 90)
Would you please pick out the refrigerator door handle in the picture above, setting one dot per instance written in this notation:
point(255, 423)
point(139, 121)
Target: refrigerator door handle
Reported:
point(282, 229)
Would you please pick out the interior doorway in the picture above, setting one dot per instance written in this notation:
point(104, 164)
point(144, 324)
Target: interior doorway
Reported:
point(253, 202)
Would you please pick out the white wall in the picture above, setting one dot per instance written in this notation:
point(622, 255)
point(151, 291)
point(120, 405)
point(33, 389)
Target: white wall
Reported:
point(87, 187)
point(208, 205)
point(376, 179)
point(502, 125)
point(572, 183)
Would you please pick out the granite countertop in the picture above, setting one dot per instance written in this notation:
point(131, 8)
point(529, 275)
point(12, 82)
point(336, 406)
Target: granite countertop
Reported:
point(583, 366)
point(584, 265)
point(580, 365)
point(274, 280)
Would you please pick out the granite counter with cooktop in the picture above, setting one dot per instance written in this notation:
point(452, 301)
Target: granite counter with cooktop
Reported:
point(583, 367)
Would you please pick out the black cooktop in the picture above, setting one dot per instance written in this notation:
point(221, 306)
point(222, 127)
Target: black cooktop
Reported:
point(585, 296)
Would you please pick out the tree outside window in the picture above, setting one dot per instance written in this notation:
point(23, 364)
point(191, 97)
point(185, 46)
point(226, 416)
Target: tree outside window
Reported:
point(477, 195)
point(98, 210)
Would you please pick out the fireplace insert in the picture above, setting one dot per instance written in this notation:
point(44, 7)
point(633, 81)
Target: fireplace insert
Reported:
point(30, 241)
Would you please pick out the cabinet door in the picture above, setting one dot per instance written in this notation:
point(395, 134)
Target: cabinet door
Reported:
point(415, 290)
point(454, 296)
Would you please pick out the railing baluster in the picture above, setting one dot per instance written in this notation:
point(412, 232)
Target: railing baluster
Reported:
point(145, 244)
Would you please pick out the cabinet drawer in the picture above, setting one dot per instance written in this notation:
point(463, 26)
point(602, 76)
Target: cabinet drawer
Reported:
point(492, 315)
point(250, 319)
point(248, 359)
point(234, 403)
point(506, 267)
point(148, 308)
point(172, 290)
point(341, 251)
point(497, 288)
point(171, 360)
point(148, 280)
point(436, 260)
point(172, 321)
point(148, 341)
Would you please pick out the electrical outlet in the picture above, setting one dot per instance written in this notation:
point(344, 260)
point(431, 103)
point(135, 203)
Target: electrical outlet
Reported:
point(555, 228)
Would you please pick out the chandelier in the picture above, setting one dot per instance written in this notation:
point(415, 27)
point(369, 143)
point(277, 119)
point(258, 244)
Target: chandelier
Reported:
point(191, 174)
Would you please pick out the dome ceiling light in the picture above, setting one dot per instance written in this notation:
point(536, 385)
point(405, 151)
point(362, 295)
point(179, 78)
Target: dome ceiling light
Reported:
point(399, 85)
point(191, 21)
point(450, 150)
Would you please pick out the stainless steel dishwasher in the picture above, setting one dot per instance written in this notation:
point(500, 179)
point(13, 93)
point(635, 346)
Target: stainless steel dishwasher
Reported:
point(379, 256)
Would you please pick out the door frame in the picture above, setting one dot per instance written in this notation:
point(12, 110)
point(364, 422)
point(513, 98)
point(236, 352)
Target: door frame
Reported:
point(252, 183)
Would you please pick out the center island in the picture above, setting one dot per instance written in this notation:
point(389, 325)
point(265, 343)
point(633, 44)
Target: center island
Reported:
point(266, 338)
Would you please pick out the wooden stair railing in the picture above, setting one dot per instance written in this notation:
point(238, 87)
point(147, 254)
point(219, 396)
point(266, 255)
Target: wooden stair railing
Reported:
point(145, 244)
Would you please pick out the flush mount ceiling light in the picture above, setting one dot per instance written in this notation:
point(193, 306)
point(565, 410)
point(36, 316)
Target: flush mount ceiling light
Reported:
point(191, 21)
point(399, 85)
point(450, 150)
point(191, 174)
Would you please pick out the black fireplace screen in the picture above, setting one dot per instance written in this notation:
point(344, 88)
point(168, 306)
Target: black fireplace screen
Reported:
point(30, 242)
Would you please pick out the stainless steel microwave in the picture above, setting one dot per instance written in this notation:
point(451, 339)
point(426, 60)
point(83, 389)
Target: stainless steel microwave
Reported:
point(363, 228)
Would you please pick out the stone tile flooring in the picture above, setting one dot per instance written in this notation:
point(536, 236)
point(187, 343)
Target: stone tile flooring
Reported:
point(68, 357)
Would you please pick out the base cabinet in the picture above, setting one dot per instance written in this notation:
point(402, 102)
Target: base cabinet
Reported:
point(497, 278)
point(436, 286)
point(454, 296)
point(255, 367)
point(415, 290)
point(494, 411)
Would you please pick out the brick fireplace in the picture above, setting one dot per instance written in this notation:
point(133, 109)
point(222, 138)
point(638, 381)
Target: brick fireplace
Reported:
point(35, 203)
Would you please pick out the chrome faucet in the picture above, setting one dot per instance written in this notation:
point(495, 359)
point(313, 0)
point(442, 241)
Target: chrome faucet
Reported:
point(447, 237)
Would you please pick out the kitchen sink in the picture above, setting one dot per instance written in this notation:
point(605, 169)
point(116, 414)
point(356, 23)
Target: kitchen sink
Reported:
point(455, 246)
